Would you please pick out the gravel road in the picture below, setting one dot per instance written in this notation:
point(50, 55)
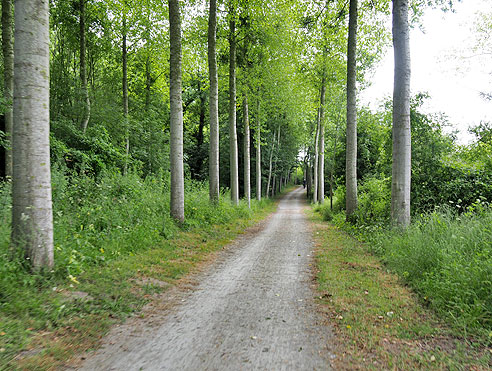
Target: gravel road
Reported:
point(252, 309)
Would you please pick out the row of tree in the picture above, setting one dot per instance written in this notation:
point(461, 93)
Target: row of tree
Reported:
point(276, 75)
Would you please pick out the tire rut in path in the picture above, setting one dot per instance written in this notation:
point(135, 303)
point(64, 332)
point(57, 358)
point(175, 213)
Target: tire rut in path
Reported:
point(252, 310)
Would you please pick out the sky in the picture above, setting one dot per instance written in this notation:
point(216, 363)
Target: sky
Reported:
point(443, 67)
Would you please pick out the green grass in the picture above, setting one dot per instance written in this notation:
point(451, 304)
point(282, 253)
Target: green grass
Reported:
point(378, 322)
point(447, 260)
point(110, 236)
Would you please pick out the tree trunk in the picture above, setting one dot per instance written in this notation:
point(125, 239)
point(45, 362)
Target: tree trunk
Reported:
point(86, 103)
point(247, 164)
point(321, 163)
point(258, 155)
point(351, 153)
point(401, 171)
point(32, 218)
point(309, 176)
point(316, 160)
point(232, 107)
point(270, 166)
point(332, 170)
point(213, 105)
point(176, 114)
point(148, 82)
point(125, 98)
point(8, 75)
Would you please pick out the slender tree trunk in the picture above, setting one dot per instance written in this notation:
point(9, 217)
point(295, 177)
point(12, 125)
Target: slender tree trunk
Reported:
point(332, 170)
point(270, 167)
point(274, 186)
point(213, 104)
point(148, 82)
point(125, 97)
point(258, 155)
point(177, 171)
point(401, 171)
point(321, 163)
point(32, 218)
point(83, 71)
point(8, 76)
point(316, 159)
point(309, 176)
point(232, 107)
point(351, 156)
point(247, 163)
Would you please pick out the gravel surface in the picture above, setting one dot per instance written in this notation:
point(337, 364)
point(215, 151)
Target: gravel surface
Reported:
point(252, 309)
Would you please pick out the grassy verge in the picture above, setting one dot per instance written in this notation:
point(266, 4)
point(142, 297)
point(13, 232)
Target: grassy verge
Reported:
point(378, 322)
point(115, 249)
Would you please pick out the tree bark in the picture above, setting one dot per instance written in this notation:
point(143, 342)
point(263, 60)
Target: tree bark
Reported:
point(401, 169)
point(316, 160)
point(232, 107)
point(32, 218)
point(351, 152)
point(321, 162)
point(213, 105)
point(270, 166)
point(8, 76)
point(247, 163)
point(258, 155)
point(86, 103)
point(125, 97)
point(176, 119)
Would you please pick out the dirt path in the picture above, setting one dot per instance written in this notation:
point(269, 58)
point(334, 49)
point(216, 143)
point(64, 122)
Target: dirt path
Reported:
point(253, 309)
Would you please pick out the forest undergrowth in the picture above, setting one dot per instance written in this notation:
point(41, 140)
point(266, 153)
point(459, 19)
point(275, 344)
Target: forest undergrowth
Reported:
point(445, 256)
point(380, 323)
point(115, 246)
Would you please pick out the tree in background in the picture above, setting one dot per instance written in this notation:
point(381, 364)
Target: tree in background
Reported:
point(247, 160)
point(176, 120)
point(351, 151)
point(213, 161)
point(86, 103)
point(401, 168)
point(32, 219)
point(234, 168)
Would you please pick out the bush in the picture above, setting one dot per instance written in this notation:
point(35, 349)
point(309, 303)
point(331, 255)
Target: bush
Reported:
point(325, 211)
point(374, 202)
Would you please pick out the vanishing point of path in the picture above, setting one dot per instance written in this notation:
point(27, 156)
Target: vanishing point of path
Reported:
point(254, 309)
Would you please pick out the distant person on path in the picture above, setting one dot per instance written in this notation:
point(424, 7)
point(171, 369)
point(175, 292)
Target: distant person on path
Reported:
point(304, 183)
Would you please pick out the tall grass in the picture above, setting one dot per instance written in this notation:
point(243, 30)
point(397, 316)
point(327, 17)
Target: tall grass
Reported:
point(447, 259)
point(96, 223)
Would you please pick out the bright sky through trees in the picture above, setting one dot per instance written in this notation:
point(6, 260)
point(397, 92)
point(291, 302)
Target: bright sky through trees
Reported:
point(445, 66)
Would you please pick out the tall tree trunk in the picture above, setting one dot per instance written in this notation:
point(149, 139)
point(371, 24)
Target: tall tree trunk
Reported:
point(351, 156)
point(258, 155)
point(177, 171)
point(274, 185)
point(125, 97)
point(232, 107)
point(8, 76)
point(213, 105)
point(316, 159)
point(321, 163)
point(332, 170)
point(32, 218)
point(309, 175)
point(148, 82)
point(247, 164)
point(401, 171)
point(86, 103)
point(270, 166)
